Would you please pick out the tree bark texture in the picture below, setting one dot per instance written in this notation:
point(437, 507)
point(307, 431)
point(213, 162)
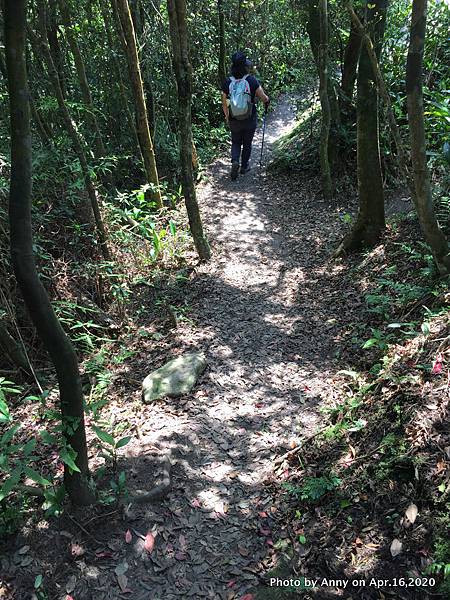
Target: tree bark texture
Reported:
point(117, 69)
point(351, 58)
point(40, 45)
point(327, 186)
point(56, 53)
point(370, 221)
point(313, 29)
point(12, 348)
point(382, 90)
point(99, 146)
point(414, 90)
point(22, 256)
point(143, 128)
point(183, 75)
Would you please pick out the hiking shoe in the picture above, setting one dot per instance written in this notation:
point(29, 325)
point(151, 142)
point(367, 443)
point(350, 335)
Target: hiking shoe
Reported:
point(245, 170)
point(234, 170)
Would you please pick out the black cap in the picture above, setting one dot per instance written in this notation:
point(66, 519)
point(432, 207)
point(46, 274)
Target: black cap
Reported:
point(239, 58)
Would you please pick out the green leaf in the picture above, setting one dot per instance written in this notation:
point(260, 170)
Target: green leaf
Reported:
point(123, 442)
point(47, 437)
point(68, 455)
point(5, 417)
point(302, 539)
point(35, 476)
point(29, 447)
point(38, 582)
point(103, 435)
point(9, 434)
point(10, 483)
point(122, 478)
point(370, 343)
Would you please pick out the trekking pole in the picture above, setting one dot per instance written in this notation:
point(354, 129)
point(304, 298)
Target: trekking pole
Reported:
point(263, 133)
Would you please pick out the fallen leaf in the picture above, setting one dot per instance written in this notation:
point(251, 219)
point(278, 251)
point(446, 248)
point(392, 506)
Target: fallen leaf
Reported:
point(248, 597)
point(195, 503)
point(243, 551)
point(263, 515)
point(264, 531)
point(411, 513)
point(121, 569)
point(149, 543)
point(128, 537)
point(231, 583)
point(122, 580)
point(180, 556)
point(437, 365)
point(396, 547)
point(23, 550)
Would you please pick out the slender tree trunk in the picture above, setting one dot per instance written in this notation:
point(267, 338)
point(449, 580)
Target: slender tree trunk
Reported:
point(370, 221)
point(313, 30)
point(143, 128)
point(41, 126)
point(351, 57)
point(34, 294)
point(382, 90)
point(183, 75)
point(39, 43)
point(327, 186)
point(423, 196)
point(118, 72)
point(2, 66)
point(222, 72)
point(12, 348)
point(55, 47)
point(100, 150)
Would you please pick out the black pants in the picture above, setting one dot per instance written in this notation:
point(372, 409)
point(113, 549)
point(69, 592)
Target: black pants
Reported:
point(242, 133)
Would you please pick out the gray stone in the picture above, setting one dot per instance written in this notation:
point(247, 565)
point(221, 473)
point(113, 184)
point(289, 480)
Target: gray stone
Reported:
point(175, 378)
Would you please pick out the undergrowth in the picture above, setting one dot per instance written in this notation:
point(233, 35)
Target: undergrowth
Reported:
point(386, 443)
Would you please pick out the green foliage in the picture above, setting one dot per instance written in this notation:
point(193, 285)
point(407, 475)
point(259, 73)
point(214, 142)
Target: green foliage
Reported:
point(314, 488)
point(109, 444)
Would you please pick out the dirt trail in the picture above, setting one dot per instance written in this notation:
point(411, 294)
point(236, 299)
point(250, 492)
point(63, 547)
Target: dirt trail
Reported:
point(269, 311)
point(259, 311)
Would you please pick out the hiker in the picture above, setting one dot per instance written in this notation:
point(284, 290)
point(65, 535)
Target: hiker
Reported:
point(239, 92)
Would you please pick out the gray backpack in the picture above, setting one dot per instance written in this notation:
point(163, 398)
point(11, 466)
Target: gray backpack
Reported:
point(240, 98)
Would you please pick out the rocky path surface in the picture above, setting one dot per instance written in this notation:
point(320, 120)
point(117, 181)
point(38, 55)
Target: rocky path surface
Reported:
point(259, 312)
point(269, 312)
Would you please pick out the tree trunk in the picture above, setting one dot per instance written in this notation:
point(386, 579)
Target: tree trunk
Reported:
point(43, 130)
point(34, 294)
point(222, 72)
point(100, 150)
point(382, 90)
point(183, 75)
point(12, 348)
point(313, 30)
point(370, 221)
point(118, 73)
point(55, 47)
point(327, 186)
point(423, 197)
point(39, 43)
point(2, 66)
point(139, 100)
point(351, 57)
